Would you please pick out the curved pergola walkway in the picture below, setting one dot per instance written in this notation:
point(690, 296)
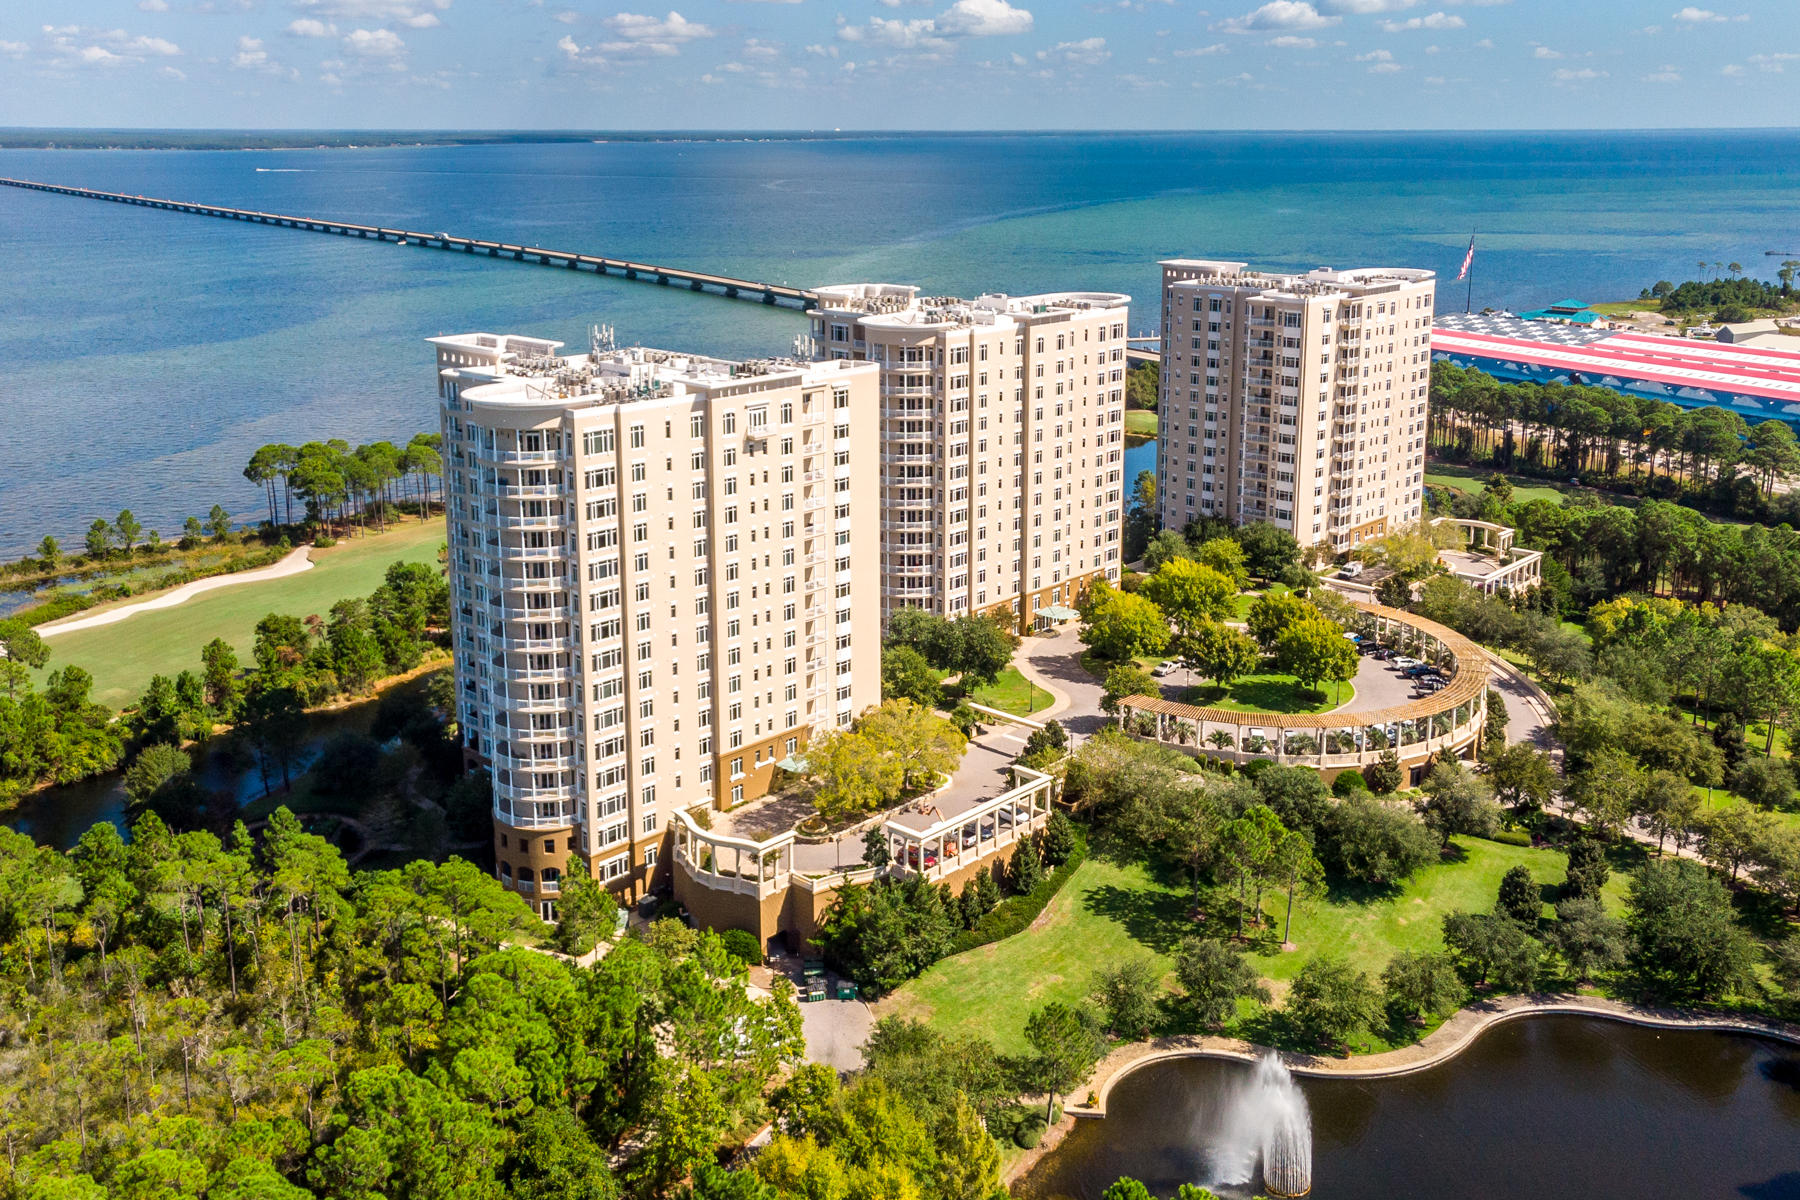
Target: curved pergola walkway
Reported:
point(1442, 1044)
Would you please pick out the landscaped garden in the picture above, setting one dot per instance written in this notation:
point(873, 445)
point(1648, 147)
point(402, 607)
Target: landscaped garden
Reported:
point(1270, 693)
point(1116, 908)
point(1291, 655)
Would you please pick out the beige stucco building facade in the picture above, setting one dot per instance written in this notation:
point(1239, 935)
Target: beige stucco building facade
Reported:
point(1294, 399)
point(1002, 442)
point(661, 584)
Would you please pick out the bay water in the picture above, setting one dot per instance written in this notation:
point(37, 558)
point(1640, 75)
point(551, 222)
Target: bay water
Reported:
point(144, 354)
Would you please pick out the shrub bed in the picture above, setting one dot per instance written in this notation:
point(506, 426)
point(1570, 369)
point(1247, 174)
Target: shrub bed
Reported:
point(1015, 913)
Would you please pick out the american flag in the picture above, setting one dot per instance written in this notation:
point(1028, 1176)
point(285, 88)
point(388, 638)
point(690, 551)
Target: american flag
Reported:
point(1467, 259)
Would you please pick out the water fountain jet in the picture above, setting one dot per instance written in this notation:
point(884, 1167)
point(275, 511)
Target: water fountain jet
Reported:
point(1264, 1122)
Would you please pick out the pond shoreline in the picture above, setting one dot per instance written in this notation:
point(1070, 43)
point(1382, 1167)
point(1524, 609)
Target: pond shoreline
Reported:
point(1440, 1045)
point(1443, 1044)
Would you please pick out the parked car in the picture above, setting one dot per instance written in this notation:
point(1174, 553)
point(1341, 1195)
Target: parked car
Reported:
point(1167, 667)
point(1405, 661)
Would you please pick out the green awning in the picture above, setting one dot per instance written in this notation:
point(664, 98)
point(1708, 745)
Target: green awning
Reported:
point(793, 764)
point(1058, 612)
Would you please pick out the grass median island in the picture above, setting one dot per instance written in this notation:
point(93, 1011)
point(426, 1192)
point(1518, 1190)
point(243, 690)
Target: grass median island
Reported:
point(124, 655)
point(1140, 422)
point(1110, 911)
point(1269, 693)
point(1012, 692)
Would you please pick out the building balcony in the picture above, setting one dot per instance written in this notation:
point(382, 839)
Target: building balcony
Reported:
point(515, 457)
point(528, 491)
point(555, 645)
point(539, 674)
point(549, 521)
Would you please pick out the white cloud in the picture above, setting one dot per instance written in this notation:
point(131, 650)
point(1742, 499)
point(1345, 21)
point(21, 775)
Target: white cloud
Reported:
point(567, 16)
point(1385, 68)
point(1704, 16)
point(307, 27)
point(984, 18)
point(1576, 75)
point(415, 14)
point(1376, 56)
point(1202, 51)
point(1485, 44)
point(253, 56)
point(1731, 69)
point(250, 54)
point(14, 49)
point(1436, 20)
point(1288, 41)
point(73, 45)
point(175, 73)
point(918, 33)
point(1773, 63)
point(1434, 80)
point(1667, 74)
point(374, 43)
point(757, 48)
point(1363, 8)
point(1278, 15)
point(963, 19)
point(661, 36)
point(1088, 52)
point(1545, 52)
point(153, 5)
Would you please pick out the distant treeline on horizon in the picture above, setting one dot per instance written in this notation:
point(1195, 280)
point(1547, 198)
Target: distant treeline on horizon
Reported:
point(337, 139)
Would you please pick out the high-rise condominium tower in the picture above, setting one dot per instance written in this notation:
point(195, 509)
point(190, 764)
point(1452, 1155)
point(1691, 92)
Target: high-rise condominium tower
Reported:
point(1002, 442)
point(1294, 399)
point(661, 582)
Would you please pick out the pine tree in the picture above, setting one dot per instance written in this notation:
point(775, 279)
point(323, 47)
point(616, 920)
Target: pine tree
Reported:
point(1519, 897)
point(1027, 868)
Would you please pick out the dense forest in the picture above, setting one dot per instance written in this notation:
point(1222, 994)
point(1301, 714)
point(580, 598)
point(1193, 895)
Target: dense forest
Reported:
point(1731, 299)
point(1626, 442)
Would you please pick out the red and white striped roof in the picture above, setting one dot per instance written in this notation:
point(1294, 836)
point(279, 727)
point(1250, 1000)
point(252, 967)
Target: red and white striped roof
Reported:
point(1677, 362)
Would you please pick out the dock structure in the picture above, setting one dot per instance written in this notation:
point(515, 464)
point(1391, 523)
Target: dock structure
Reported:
point(699, 281)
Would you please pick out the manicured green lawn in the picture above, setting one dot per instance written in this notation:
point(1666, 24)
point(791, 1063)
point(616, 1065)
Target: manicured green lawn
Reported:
point(1269, 693)
point(1110, 911)
point(1140, 421)
point(1105, 912)
point(123, 656)
point(1723, 796)
point(1012, 692)
point(1474, 481)
point(1246, 599)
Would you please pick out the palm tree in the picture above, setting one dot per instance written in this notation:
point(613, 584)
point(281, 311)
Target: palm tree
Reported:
point(1786, 275)
point(1736, 269)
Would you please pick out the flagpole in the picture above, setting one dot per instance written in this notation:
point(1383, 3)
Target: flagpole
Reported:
point(1469, 298)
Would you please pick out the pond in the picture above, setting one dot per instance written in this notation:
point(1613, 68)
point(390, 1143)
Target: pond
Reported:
point(59, 816)
point(1140, 455)
point(1546, 1106)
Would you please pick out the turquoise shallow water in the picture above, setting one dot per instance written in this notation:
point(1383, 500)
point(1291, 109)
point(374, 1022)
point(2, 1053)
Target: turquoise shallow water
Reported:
point(144, 354)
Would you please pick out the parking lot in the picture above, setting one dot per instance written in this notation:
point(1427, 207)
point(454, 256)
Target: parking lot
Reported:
point(1379, 684)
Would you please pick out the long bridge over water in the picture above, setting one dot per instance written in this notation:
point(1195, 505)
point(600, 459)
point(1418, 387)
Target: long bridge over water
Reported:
point(699, 281)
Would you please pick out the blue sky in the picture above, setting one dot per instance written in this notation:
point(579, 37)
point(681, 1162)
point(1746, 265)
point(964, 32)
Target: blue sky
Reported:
point(899, 64)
